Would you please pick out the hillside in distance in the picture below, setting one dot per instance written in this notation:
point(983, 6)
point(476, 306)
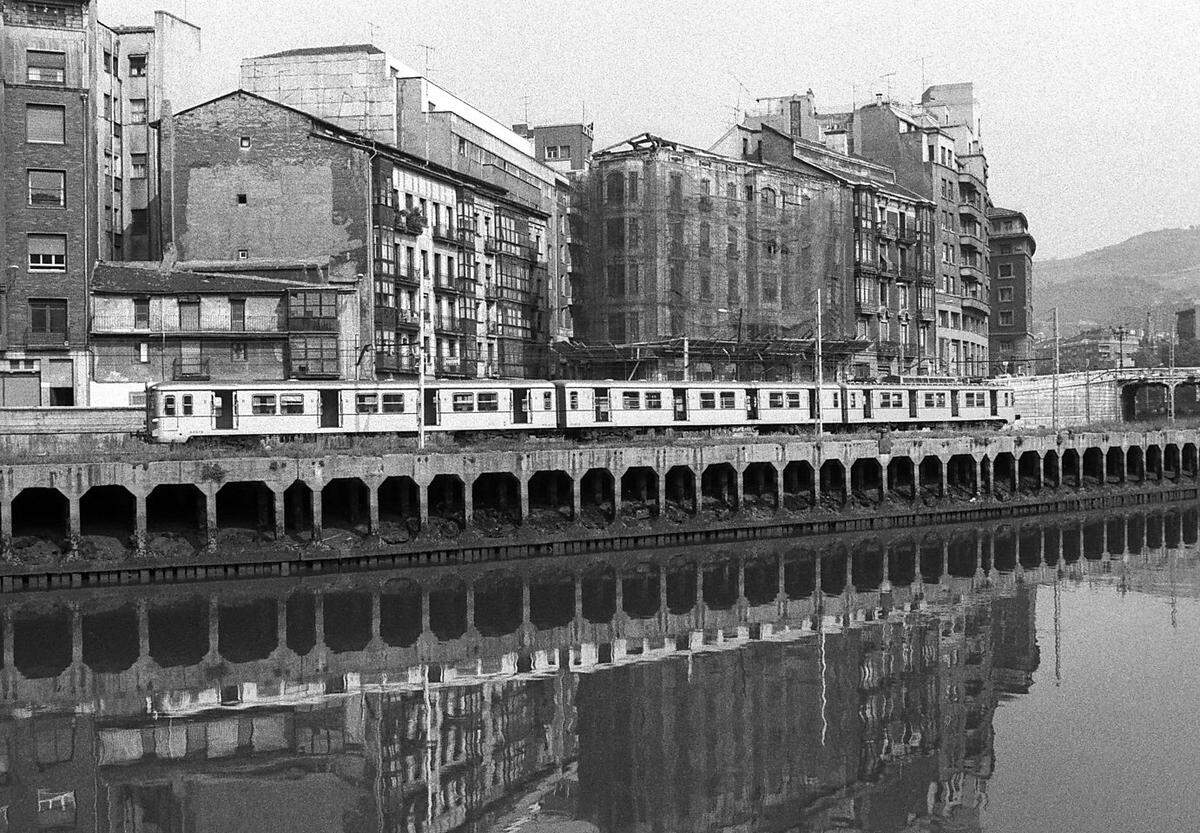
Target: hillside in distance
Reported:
point(1156, 272)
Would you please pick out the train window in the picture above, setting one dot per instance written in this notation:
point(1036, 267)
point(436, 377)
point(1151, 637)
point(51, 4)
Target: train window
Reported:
point(463, 403)
point(837, 398)
point(262, 404)
point(631, 400)
point(169, 405)
point(793, 399)
point(929, 400)
point(489, 402)
point(548, 400)
point(708, 400)
point(775, 399)
point(727, 399)
point(366, 403)
point(941, 400)
point(573, 398)
point(393, 403)
point(654, 400)
point(186, 402)
point(291, 403)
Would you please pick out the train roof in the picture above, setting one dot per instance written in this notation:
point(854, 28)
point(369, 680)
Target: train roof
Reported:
point(355, 384)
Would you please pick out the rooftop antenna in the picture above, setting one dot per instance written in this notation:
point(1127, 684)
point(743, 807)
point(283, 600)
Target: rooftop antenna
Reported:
point(525, 102)
point(428, 49)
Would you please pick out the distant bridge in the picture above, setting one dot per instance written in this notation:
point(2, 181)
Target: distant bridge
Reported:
point(1093, 396)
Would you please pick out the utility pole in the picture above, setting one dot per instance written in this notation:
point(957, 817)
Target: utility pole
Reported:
point(1171, 382)
point(687, 364)
point(820, 371)
point(421, 364)
point(1054, 383)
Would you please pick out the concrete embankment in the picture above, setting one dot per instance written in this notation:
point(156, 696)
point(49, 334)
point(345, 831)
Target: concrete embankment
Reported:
point(162, 520)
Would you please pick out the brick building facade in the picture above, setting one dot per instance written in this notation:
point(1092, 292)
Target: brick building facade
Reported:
point(257, 183)
point(1011, 329)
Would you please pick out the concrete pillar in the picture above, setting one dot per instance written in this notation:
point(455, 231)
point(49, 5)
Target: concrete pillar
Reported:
point(9, 658)
point(616, 496)
point(471, 608)
point(576, 499)
point(619, 596)
point(73, 525)
point(942, 464)
point(280, 513)
point(779, 489)
point(468, 505)
point(423, 505)
point(425, 609)
point(578, 595)
point(850, 588)
point(525, 601)
point(143, 628)
point(210, 516)
point(373, 506)
point(945, 562)
point(978, 464)
point(523, 497)
point(6, 523)
point(661, 493)
point(317, 523)
point(1079, 470)
point(139, 521)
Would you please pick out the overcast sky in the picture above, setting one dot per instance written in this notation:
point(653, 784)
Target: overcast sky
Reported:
point(1090, 110)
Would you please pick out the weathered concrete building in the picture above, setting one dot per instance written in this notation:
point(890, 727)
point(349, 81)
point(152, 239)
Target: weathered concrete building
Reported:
point(262, 186)
point(893, 246)
point(690, 243)
point(362, 89)
point(1011, 323)
point(77, 98)
point(151, 325)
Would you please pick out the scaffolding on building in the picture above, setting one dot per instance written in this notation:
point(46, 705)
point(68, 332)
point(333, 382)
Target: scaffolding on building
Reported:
point(679, 358)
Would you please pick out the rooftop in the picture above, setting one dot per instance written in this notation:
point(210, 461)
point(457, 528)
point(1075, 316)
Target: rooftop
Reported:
point(120, 278)
point(369, 48)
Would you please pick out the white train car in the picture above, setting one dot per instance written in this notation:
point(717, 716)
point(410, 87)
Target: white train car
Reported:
point(178, 411)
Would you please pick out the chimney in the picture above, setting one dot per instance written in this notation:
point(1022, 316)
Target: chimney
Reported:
point(879, 99)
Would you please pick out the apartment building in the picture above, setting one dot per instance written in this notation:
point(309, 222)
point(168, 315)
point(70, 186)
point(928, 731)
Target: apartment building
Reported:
point(362, 89)
point(74, 177)
point(1011, 324)
point(715, 247)
point(892, 231)
point(267, 188)
point(151, 325)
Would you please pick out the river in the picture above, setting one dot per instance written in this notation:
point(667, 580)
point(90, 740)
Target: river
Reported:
point(1031, 675)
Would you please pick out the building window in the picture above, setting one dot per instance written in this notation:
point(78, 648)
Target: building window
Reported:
point(137, 166)
point(139, 221)
point(141, 313)
point(237, 314)
point(552, 152)
point(238, 351)
point(47, 188)
point(243, 254)
point(47, 252)
point(1006, 293)
point(46, 67)
point(242, 199)
point(143, 352)
point(245, 142)
point(48, 317)
point(137, 111)
point(314, 355)
point(1006, 318)
point(189, 314)
point(1006, 270)
point(45, 123)
point(615, 189)
point(137, 66)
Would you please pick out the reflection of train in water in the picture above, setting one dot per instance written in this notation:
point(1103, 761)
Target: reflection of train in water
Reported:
point(179, 411)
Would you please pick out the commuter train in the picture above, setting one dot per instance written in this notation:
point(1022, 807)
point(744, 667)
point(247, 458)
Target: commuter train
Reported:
point(180, 411)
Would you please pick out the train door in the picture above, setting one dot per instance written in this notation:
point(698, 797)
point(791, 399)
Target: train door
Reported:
point(953, 403)
point(994, 405)
point(331, 409)
point(751, 404)
point(912, 403)
point(867, 403)
point(520, 406)
point(223, 409)
point(429, 413)
point(603, 409)
point(679, 397)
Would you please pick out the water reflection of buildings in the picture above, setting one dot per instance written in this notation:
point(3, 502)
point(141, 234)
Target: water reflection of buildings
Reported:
point(803, 688)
